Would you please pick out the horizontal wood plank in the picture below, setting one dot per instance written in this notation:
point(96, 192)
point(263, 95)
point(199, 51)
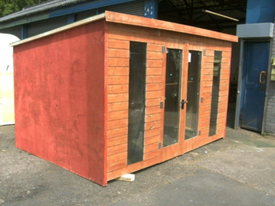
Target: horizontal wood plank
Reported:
point(154, 71)
point(209, 52)
point(207, 77)
point(152, 125)
point(118, 44)
point(226, 54)
point(153, 110)
point(208, 83)
point(152, 117)
point(225, 60)
point(152, 140)
point(154, 47)
point(117, 115)
point(117, 124)
point(118, 98)
point(154, 79)
point(208, 66)
point(118, 80)
point(151, 147)
point(118, 106)
point(115, 174)
point(115, 89)
point(117, 141)
point(154, 87)
point(116, 149)
point(116, 157)
point(154, 55)
point(154, 63)
point(118, 53)
point(117, 132)
point(119, 62)
point(151, 155)
point(152, 132)
point(153, 102)
point(153, 94)
point(209, 59)
point(116, 165)
point(118, 71)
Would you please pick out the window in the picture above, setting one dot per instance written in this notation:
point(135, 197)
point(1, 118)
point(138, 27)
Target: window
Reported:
point(136, 116)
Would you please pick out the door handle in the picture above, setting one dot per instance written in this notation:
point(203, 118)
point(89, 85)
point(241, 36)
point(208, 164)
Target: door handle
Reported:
point(182, 103)
point(262, 76)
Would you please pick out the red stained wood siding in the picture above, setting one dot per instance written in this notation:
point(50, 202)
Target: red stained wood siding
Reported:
point(59, 99)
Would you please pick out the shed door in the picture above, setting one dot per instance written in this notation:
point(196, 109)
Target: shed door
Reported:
point(172, 104)
point(193, 94)
point(254, 85)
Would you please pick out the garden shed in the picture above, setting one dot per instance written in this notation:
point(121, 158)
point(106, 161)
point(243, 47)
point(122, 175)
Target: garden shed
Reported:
point(116, 93)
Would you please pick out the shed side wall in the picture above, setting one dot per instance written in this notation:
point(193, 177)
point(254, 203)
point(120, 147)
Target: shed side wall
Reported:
point(59, 99)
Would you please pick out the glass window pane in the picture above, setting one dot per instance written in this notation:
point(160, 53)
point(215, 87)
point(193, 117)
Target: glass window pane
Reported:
point(172, 96)
point(215, 92)
point(137, 77)
point(193, 94)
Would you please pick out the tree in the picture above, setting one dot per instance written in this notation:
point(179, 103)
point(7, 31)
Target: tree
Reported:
point(10, 6)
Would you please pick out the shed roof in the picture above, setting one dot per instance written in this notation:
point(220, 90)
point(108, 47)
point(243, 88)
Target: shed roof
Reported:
point(120, 18)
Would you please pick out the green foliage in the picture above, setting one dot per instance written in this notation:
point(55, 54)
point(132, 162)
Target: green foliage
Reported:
point(10, 6)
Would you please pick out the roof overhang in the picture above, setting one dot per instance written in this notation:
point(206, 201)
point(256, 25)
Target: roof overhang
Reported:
point(114, 17)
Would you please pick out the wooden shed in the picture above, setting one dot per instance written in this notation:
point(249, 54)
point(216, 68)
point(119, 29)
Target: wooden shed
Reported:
point(115, 93)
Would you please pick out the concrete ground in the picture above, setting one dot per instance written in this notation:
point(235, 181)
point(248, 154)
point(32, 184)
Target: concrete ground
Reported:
point(239, 170)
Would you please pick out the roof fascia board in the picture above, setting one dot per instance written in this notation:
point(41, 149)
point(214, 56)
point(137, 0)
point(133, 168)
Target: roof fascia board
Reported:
point(84, 7)
point(23, 21)
point(164, 25)
point(60, 29)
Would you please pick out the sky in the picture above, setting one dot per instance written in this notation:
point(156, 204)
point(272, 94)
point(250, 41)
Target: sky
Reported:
point(6, 52)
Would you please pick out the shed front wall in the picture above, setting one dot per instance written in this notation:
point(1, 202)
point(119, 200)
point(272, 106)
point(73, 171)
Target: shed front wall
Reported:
point(59, 99)
point(119, 37)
